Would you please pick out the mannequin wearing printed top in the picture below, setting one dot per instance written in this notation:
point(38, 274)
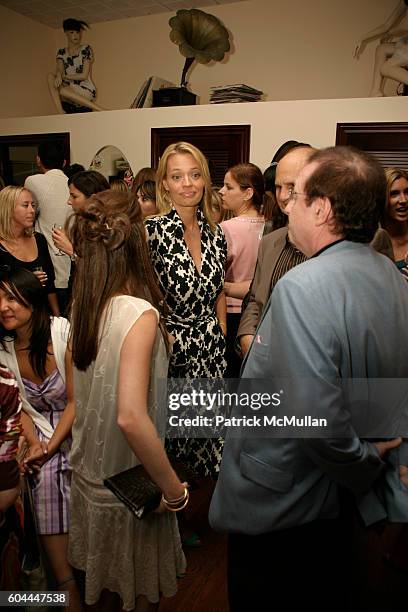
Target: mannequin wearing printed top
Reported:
point(391, 58)
point(72, 79)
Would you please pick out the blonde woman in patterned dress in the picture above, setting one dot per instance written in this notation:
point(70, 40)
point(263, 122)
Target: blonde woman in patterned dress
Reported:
point(188, 251)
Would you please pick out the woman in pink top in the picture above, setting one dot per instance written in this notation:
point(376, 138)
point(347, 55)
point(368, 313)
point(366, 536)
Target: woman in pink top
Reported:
point(242, 194)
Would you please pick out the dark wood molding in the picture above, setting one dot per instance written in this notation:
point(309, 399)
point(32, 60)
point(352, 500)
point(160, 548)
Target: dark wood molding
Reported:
point(373, 136)
point(28, 140)
point(223, 145)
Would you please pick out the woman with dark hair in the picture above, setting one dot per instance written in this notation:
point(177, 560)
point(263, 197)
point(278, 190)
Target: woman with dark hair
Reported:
point(146, 198)
point(144, 174)
point(73, 169)
point(34, 347)
point(72, 79)
point(119, 354)
point(395, 217)
point(82, 186)
point(243, 194)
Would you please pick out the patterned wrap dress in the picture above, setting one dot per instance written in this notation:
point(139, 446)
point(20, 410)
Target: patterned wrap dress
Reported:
point(199, 347)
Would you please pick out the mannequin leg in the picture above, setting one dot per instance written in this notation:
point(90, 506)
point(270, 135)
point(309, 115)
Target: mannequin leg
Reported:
point(54, 93)
point(382, 53)
point(395, 72)
point(67, 93)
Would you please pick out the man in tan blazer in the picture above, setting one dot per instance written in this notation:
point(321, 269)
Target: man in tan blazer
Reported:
point(276, 255)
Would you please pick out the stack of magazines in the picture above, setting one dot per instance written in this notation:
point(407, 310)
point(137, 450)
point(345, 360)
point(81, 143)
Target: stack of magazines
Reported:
point(234, 93)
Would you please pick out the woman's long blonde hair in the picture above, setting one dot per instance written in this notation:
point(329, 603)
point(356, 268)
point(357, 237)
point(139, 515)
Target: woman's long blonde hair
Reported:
point(8, 200)
point(163, 200)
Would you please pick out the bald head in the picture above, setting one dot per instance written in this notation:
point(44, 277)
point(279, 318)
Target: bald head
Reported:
point(287, 172)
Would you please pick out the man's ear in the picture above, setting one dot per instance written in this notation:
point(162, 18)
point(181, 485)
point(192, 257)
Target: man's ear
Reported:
point(323, 210)
point(64, 163)
point(38, 161)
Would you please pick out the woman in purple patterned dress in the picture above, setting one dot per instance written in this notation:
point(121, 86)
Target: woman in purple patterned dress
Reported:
point(34, 347)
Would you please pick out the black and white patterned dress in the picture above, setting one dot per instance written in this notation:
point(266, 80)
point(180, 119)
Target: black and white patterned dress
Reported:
point(199, 347)
point(74, 64)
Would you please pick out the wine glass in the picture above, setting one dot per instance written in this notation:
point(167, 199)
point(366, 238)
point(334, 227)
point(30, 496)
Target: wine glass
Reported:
point(56, 226)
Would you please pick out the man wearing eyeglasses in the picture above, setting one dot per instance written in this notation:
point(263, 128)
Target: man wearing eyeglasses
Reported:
point(290, 503)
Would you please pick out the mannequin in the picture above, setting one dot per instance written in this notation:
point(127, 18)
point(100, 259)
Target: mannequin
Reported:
point(391, 58)
point(72, 79)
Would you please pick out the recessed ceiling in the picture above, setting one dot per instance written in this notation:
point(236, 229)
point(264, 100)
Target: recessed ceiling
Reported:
point(53, 12)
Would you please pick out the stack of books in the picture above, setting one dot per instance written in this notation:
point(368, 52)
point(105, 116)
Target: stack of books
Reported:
point(234, 93)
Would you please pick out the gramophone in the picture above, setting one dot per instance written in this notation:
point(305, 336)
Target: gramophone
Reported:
point(200, 37)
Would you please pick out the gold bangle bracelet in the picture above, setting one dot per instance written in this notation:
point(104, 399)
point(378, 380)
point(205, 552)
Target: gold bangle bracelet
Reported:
point(183, 505)
point(175, 502)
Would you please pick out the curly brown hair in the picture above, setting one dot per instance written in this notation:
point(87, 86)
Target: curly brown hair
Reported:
point(112, 259)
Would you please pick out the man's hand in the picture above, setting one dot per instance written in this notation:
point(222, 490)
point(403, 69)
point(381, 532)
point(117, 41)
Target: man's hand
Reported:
point(245, 343)
point(383, 447)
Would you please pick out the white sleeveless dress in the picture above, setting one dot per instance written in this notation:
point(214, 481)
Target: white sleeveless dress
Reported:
point(116, 550)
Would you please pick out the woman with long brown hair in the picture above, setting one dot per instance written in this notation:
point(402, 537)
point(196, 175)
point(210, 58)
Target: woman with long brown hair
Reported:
point(119, 356)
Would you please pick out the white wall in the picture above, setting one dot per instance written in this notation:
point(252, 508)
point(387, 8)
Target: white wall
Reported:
point(27, 54)
point(271, 123)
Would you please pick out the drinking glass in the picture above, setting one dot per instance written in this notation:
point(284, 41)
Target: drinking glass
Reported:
point(40, 269)
point(56, 226)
